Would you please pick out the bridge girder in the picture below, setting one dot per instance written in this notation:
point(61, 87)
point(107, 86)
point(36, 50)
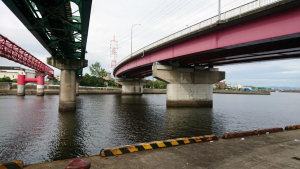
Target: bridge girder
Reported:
point(62, 33)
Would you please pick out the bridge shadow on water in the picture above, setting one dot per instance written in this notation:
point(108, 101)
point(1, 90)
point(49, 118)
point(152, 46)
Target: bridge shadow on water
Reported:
point(146, 118)
point(114, 120)
point(32, 128)
point(35, 131)
point(69, 138)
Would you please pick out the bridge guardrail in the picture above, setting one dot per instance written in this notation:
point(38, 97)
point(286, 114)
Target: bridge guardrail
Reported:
point(208, 22)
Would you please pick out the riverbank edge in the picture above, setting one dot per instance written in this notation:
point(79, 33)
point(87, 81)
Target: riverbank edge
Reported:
point(288, 130)
point(94, 90)
point(242, 92)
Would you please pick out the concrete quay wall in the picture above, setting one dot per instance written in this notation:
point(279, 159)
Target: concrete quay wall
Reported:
point(30, 89)
point(155, 91)
point(7, 88)
point(274, 150)
point(293, 91)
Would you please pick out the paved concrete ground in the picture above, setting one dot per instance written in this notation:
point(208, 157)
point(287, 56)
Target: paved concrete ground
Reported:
point(275, 150)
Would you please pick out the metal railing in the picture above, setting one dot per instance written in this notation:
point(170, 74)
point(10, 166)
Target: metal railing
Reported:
point(224, 16)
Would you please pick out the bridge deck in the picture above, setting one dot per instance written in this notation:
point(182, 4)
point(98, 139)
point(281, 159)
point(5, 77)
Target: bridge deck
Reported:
point(267, 33)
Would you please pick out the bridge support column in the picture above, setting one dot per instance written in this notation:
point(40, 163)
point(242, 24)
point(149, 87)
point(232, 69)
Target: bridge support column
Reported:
point(21, 85)
point(188, 87)
point(131, 85)
point(50, 80)
point(78, 80)
point(40, 84)
point(68, 67)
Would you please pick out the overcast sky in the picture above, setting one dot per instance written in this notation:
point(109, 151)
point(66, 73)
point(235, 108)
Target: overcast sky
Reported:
point(158, 18)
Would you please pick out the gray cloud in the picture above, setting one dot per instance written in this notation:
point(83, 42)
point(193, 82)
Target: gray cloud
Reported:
point(159, 19)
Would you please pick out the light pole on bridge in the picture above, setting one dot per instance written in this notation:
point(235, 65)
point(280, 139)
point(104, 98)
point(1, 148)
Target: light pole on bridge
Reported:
point(219, 10)
point(131, 36)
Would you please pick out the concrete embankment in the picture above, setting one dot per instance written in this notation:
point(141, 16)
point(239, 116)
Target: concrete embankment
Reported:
point(7, 88)
point(155, 91)
point(274, 150)
point(293, 91)
point(242, 92)
point(30, 89)
point(164, 91)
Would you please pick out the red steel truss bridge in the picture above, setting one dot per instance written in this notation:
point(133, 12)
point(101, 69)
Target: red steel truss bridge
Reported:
point(13, 52)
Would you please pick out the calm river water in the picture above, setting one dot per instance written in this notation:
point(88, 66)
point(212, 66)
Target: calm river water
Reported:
point(32, 129)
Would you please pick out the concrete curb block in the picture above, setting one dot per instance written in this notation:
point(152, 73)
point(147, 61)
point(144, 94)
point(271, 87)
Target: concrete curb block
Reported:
point(15, 164)
point(293, 127)
point(252, 132)
point(112, 151)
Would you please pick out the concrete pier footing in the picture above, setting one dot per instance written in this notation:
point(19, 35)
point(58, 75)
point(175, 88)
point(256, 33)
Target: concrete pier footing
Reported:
point(21, 90)
point(40, 90)
point(68, 67)
point(67, 95)
point(21, 85)
point(188, 87)
point(77, 89)
point(39, 80)
point(132, 86)
point(50, 80)
point(78, 80)
point(191, 95)
point(40, 84)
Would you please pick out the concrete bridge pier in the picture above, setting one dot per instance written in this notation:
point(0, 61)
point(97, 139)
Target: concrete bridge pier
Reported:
point(50, 80)
point(131, 85)
point(21, 85)
point(40, 84)
point(78, 80)
point(188, 87)
point(68, 67)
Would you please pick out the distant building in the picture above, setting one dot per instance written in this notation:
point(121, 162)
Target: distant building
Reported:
point(228, 86)
point(57, 77)
point(221, 85)
point(13, 72)
point(239, 86)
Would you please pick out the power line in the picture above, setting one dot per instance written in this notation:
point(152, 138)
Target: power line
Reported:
point(176, 19)
point(168, 11)
point(140, 21)
point(147, 15)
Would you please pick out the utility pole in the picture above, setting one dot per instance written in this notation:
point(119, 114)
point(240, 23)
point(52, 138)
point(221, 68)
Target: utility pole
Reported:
point(113, 55)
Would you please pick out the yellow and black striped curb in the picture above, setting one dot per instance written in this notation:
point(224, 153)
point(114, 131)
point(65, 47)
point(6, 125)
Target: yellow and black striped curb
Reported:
point(112, 151)
point(252, 132)
point(15, 164)
point(293, 127)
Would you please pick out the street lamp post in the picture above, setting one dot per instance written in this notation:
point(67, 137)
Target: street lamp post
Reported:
point(131, 35)
point(219, 9)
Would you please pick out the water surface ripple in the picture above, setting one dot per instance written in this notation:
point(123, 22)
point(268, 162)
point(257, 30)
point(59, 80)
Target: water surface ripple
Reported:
point(33, 130)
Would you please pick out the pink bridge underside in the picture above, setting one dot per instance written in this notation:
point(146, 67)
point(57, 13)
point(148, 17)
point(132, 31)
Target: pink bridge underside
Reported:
point(279, 24)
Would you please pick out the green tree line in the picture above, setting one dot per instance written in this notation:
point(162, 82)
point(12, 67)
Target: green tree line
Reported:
point(7, 79)
point(96, 78)
point(157, 84)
